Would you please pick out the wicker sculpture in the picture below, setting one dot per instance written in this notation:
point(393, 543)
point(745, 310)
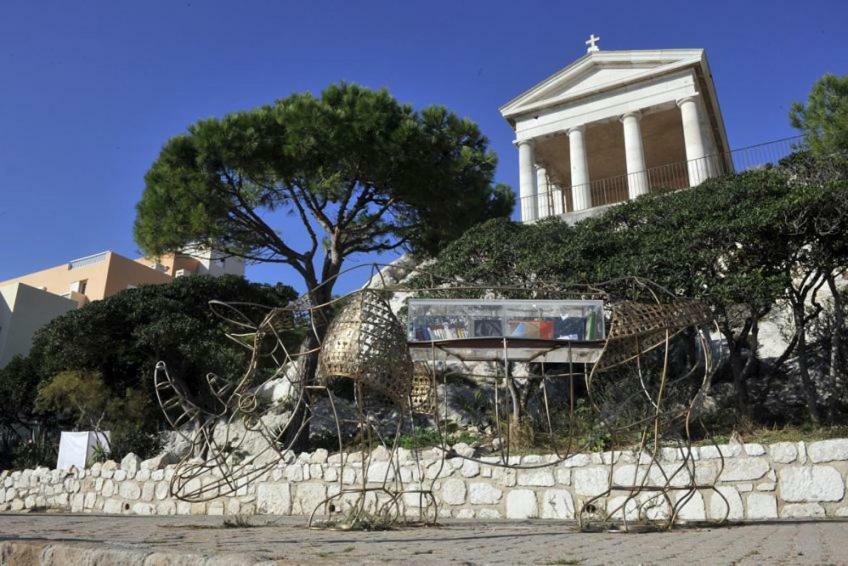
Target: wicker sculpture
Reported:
point(423, 391)
point(366, 343)
point(638, 327)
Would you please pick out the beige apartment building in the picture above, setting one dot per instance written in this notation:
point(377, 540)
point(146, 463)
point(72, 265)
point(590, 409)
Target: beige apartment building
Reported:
point(30, 301)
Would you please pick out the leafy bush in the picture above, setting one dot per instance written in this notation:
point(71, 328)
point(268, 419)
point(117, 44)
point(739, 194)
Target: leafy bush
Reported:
point(93, 367)
point(743, 244)
point(38, 451)
point(130, 437)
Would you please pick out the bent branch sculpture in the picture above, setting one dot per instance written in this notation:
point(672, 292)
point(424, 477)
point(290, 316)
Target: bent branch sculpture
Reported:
point(637, 389)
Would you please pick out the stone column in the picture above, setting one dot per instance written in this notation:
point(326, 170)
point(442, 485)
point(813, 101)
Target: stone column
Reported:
point(694, 140)
point(527, 190)
point(581, 192)
point(544, 192)
point(634, 152)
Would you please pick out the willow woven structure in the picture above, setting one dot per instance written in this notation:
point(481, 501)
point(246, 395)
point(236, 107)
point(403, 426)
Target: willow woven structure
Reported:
point(366, 343)
point(643, 389)
point(423, 396)
point(637, 328)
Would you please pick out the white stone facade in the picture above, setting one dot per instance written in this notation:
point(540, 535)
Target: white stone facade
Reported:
point(791, 480)
point(613, 125)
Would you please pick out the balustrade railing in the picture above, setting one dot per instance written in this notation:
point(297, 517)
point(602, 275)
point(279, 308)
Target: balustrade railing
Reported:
point(679, 175)
point(87, 260)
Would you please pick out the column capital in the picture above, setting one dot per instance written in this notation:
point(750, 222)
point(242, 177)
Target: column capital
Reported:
point(581, 128)
point(635, 114)
point(519, 143)
point(685, 99)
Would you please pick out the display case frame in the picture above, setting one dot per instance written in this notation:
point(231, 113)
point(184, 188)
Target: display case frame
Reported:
point(525, 330)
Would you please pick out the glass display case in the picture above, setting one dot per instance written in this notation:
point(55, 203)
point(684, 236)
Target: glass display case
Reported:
point(435, 320)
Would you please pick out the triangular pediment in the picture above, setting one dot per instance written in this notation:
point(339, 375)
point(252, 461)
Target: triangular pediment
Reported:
point(598, 72)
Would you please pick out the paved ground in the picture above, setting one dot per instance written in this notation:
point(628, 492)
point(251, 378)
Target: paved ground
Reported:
point(191, 540)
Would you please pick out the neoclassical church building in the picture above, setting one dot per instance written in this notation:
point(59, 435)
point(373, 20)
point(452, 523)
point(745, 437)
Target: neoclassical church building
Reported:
point(612, 126)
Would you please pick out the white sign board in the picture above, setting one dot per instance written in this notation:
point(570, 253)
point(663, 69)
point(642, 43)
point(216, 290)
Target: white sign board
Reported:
point(76, 448)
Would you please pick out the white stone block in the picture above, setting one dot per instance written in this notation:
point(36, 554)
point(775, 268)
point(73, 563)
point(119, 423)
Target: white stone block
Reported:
point(629, 474)
point(577, 461)
point(726, 450)
point(380, 454)
point(539, 477)
point(294, 472)
point(622, 506)
point(754, 449)
point(828, 450)
point(744, 469)
point(148, 490)
point(77, 502)
point(761, 506)
point(783, 452)
point(464, 514)
point(557, 504)
point(453, 492)
point(131, 464)
point(348, 475)
point(273, 498)
point(521, 504)
point(331, 474)
point(488, 514)
point(590, 481)
point(129, 490)
point(157, 462)
point(310, 496)
point(706, 473)
point(381, 471)
point(693, 509)
point(802, 510)
point(166, 508)
point(731, 505)
point(215, 508)
point(811, 483)
point(162, 489)
point(470, 469)
point(482, 493)
point(802, 452)
point(112, 506)
point(463, 450)
point(319, 456)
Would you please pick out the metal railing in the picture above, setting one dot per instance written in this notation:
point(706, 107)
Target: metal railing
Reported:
point(679, 175)
point(87, 260)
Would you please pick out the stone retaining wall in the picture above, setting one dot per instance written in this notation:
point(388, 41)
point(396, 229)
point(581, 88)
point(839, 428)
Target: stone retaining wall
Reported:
point(785, 479)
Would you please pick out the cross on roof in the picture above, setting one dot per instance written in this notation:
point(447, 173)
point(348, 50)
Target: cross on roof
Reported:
point(591, 43)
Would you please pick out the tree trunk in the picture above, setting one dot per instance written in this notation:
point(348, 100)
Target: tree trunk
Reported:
point(294, 440)
point(807, 384)
point(837, 338)
point(516, 401)
point(738, 366)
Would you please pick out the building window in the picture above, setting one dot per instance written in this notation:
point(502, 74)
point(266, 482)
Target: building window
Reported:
point(79, 286)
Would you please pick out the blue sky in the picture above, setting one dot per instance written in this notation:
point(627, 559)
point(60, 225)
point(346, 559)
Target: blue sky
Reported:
point(89, 91)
